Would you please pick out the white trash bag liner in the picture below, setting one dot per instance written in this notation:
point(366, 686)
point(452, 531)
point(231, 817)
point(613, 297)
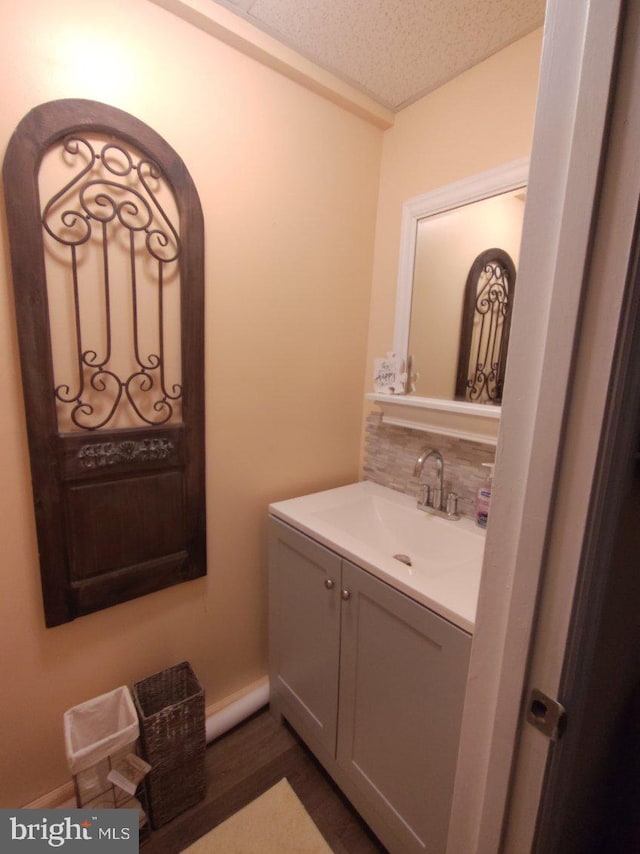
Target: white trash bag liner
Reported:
point(100, 727)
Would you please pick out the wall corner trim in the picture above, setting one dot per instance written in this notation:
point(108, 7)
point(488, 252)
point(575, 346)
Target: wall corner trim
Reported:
point(241, 35)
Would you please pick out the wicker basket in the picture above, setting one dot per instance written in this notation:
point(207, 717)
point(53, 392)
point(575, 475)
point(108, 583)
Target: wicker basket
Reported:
point(170, 707)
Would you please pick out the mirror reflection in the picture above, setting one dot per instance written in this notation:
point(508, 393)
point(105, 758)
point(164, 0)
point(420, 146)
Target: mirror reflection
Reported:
point(458, 344)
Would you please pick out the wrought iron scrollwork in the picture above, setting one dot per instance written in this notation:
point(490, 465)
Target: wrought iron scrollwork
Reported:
point(485, 327)
point(115, 192)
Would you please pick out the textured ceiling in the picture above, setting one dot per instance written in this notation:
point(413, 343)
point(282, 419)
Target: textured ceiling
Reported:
point(393, 50)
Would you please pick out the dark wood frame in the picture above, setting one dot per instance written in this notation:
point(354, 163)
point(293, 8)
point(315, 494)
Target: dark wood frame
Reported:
point(35, 134)
point(468, 310)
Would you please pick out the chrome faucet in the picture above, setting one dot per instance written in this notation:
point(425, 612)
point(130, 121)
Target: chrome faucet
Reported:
point(432, 500)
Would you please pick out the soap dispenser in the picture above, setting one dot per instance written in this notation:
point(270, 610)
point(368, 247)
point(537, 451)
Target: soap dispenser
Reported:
point(484, 498)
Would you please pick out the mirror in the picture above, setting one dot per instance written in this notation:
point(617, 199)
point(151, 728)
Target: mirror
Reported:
point(444, 233)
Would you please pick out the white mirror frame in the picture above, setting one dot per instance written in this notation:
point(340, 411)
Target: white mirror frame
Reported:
point(449, 417)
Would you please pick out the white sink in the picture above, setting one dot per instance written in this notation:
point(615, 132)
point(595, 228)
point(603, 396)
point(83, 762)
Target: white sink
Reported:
point(371, 524)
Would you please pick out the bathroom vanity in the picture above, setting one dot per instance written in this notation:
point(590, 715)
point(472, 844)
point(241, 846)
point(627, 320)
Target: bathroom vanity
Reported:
point(369, 652)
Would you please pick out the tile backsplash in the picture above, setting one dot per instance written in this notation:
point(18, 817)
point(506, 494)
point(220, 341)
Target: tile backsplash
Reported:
point(391, 452)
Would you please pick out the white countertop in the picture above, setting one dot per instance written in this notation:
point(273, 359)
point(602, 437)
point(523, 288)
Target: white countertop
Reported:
point(367, 524)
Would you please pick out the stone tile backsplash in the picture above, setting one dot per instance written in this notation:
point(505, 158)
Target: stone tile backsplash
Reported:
point(391, 452)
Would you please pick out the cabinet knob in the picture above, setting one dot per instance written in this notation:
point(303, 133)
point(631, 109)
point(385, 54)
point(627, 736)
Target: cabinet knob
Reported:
point(329, 583)
point(345, 594)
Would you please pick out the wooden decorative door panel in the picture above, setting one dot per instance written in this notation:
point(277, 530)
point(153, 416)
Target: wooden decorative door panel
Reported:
point(107, 252)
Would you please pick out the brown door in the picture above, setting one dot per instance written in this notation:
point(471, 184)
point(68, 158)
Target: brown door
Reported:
point(106, 235)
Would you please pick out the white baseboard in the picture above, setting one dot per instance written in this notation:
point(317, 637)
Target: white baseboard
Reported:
point(63, 797)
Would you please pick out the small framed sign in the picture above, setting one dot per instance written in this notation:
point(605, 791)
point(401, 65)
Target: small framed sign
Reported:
point(389, 375)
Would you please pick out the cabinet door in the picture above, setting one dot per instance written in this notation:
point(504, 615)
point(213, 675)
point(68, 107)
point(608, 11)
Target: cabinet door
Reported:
point(402, 684)
point(304, 634)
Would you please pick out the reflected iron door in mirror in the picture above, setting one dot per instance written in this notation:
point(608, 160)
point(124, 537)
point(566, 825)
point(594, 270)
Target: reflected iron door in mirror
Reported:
point(484, 332)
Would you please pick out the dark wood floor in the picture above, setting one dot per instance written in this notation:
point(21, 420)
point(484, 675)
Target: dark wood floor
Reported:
point(246, 762)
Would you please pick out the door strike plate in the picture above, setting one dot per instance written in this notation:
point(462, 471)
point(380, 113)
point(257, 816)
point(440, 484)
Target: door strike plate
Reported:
point(546, 714)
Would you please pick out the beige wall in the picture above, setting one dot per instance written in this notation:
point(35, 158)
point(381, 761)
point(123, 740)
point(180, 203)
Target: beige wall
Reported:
point(288, 184)
point(479, 120)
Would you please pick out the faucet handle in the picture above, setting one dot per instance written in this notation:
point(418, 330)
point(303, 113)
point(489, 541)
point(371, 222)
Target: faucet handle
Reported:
point(452, 504)
point(424, 498)
point(436, 498)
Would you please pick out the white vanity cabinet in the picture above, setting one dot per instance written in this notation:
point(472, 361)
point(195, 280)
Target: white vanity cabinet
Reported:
point(373, 682)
